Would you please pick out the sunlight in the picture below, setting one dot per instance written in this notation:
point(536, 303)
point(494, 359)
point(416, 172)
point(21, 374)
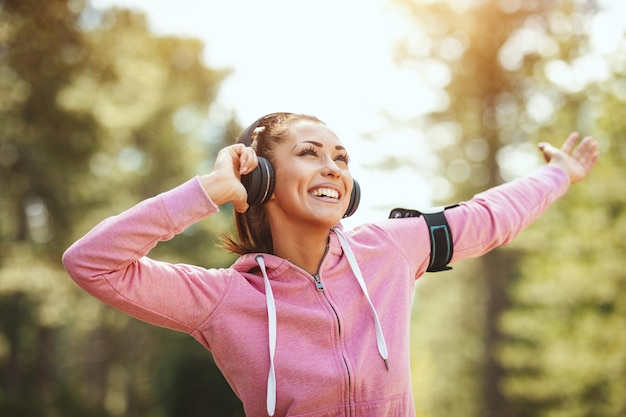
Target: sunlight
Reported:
point(331, 59)
point(337, 60)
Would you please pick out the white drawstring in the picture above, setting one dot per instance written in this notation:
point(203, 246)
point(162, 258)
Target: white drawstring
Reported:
point(380, 338)
point(271, 318)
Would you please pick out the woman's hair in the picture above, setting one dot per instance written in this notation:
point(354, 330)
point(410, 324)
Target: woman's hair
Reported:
point(252, 227)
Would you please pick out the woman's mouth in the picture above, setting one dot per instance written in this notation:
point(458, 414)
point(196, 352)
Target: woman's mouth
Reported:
point(326, 192)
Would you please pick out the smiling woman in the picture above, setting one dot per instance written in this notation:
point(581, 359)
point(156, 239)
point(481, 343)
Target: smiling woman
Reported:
point(311, 320)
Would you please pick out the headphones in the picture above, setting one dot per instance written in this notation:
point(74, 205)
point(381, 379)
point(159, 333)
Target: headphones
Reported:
point(260, 182)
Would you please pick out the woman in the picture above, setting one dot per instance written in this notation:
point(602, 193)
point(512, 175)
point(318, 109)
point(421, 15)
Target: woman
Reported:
point(310, 320)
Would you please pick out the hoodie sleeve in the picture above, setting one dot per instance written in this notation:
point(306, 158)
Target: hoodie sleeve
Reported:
point(110, 261)
point(496, 216)
point(490, 219)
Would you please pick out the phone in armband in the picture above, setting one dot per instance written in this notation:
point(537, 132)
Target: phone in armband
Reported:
point(441, 243)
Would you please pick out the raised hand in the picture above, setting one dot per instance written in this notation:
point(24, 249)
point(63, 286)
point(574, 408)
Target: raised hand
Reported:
point(576, 157)
point(223, 184)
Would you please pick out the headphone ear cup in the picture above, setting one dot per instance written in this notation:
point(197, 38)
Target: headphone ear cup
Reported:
point(259, 183)
point(355, 199)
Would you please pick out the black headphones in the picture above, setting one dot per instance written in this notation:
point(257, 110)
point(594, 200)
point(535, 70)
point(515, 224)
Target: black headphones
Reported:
point(260, 182)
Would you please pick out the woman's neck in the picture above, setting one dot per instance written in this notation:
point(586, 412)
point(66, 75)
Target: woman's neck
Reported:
point(304, 248)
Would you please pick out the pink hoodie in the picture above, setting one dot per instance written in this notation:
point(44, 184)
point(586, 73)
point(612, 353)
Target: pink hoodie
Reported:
point(315, 336)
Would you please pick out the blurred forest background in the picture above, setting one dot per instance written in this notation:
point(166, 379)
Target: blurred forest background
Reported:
point(97, 113)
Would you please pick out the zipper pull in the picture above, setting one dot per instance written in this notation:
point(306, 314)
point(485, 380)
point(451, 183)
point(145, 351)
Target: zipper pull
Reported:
point(318, 282)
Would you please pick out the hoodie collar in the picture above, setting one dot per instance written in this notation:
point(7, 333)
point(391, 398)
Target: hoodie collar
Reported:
point(277, 266)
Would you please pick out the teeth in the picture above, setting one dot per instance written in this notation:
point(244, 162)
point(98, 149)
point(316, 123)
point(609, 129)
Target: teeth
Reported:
point(326, 192)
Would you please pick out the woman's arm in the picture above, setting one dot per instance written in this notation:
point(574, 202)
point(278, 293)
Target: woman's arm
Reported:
point(496, 216)
point(111, 262)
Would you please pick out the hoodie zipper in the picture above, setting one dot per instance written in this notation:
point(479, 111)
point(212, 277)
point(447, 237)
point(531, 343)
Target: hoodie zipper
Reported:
point(318, 282)
point(319, 285)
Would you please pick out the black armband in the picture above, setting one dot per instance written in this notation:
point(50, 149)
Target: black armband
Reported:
point(441, 245)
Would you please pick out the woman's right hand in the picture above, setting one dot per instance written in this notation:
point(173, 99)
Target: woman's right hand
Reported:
point(223, 184)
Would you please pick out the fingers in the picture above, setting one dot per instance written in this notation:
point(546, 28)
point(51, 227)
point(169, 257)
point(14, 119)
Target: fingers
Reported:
point(247, 160)
point(241, 208)
point(230, 164)
point(570, 142)
point(587, 153)
point(583, 152)
point(576, 157)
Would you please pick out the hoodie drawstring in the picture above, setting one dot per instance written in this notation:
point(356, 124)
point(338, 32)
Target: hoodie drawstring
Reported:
point(380, 338)
point(271, 318)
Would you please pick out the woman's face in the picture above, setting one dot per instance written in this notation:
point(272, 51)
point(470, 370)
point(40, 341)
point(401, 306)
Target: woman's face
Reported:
point(313, 183)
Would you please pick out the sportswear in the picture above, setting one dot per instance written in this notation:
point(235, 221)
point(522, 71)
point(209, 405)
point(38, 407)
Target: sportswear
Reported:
point(322, 338)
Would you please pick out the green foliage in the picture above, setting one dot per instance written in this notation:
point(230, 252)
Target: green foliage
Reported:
point(471, 126)
point(542, 317)
point(191, 367)
point(564, 350)
point(96, 114)
point(447, 344)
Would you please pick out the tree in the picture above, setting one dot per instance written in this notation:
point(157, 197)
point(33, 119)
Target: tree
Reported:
point(96, 114)
point(463, 41)
point(494, 65)
point(563, 350)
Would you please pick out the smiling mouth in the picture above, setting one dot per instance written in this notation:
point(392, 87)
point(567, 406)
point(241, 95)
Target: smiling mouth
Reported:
point(326, 192)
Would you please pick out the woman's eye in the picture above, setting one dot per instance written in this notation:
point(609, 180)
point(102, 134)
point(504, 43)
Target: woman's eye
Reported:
point(343, 158)
point(311, 151)
point(308, 151)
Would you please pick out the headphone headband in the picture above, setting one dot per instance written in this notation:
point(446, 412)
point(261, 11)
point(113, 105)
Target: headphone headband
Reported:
point(246, 136)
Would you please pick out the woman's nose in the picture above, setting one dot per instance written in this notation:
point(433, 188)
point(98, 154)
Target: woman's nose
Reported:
point(331, 168)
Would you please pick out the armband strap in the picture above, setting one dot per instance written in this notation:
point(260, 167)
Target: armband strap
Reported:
point(441, 245)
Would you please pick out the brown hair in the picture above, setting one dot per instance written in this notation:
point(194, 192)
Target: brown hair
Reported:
point(252, 227)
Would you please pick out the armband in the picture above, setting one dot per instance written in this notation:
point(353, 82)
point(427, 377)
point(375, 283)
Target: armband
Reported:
point(441, 245)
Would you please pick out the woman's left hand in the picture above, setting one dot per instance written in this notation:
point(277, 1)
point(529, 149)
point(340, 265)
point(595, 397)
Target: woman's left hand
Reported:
point(576, 158)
